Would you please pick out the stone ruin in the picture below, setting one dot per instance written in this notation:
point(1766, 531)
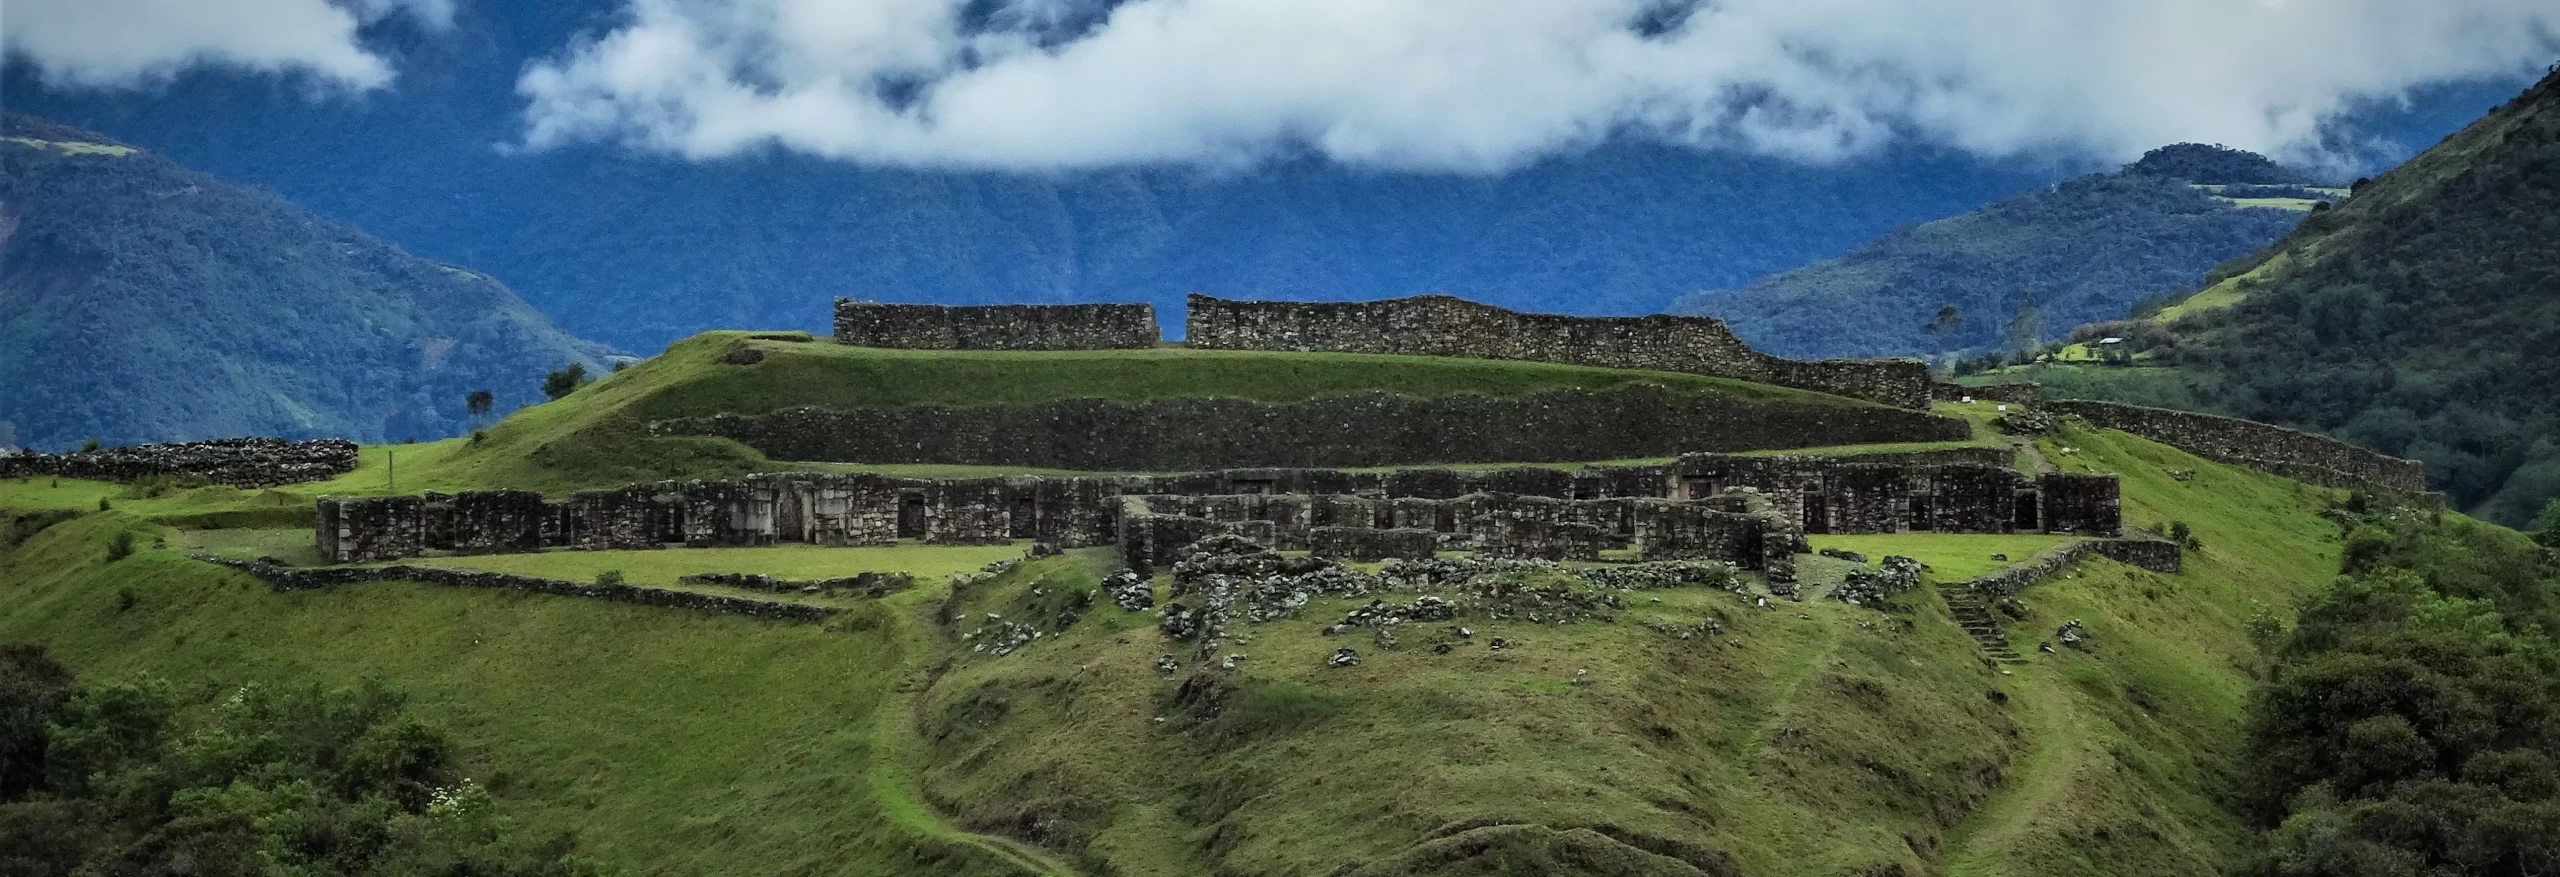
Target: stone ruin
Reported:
point(240, 462)
point(2297, 455)
point(1440, 325)
point(1749, 511)
point(995, 327)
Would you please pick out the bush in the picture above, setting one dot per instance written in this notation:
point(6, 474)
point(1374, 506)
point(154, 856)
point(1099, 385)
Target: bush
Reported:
point(609, 577)
point(2546, 528)
point(103, 505)
point(121, 548)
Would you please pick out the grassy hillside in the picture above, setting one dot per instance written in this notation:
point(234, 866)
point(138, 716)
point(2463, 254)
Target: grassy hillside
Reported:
point(596, 436)
point(2417, 317)
point(1813, 739)
point(218, 310)
point(2088, 249)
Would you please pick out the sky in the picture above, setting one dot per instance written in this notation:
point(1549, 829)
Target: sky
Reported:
point(1469, 86)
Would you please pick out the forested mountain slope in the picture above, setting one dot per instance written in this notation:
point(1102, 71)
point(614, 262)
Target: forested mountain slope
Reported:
point(213, 309)
point(2420, 317)
point(2082, 250)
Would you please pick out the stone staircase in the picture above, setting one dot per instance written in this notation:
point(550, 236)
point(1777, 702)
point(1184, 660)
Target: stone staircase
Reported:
point(1976, 619)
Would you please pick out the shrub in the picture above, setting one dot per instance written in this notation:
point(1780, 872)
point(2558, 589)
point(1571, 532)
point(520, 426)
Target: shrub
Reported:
point(103, 505)
point(609, 577)
point(2546, 528)
point(90, 445)
point(121, 548)
point(150, 486)
point(479, 435)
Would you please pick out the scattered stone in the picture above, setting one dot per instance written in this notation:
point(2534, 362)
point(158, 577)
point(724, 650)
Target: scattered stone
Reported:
point(1166, 665)
point(1343, 658)
point(1844, 554)
point(1500, 643)
point(2071, 633)
point(1129, 591)
point(2000, 557)
point(1871, 587)
point(1230, 662)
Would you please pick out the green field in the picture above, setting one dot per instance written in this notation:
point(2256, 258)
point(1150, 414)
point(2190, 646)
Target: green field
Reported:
point(1841, 740)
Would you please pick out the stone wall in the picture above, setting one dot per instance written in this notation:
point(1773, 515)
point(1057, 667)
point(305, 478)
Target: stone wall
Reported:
point(2151, 554)
point(241, 462)
point(1835, 495)
point(2290, 453)
point(2085, 505)
point(1361, 429)
point(286, 578)
point(1361, 544)
point(996, 327)
point(1439, 325)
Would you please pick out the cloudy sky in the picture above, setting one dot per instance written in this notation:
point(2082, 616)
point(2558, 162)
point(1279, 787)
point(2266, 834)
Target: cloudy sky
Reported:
point(1444, 85)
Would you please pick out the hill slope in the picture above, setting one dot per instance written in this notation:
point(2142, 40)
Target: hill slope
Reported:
point(2088, 249)
point(214, 310)
point(1817, 740)
point(2419, 317)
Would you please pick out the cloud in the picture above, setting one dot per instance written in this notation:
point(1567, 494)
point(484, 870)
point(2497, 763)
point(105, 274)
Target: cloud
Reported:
point(1484, 85)
point(131, 43)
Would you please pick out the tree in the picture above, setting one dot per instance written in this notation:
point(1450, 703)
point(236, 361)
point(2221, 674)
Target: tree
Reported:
point(1944, 325)
point(479, 403)
point(2546, 529)
point(2026, 328)
point(564, 381)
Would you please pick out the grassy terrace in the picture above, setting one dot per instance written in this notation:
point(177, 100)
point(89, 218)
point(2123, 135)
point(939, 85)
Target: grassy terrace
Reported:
point(1810, 739)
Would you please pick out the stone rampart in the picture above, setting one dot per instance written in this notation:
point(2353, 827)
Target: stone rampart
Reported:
point(996, 327)
point(286, 578)
point(240, 462)
point(1439, 325)
point(2083, 505)
point(2015, 393)
point(1362, 429)
point(2289, 453)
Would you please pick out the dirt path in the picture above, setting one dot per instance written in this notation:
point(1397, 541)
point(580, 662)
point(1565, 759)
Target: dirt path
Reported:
point(2034, 784)
point(896, 745)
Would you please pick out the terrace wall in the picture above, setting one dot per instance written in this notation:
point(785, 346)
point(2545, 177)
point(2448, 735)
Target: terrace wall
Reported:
point(996, 327)
point(1439, 325)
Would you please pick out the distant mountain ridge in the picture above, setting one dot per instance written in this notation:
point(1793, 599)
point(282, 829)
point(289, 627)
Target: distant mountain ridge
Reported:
point(142, 301)
point(2420, 317)
point(2085, 250)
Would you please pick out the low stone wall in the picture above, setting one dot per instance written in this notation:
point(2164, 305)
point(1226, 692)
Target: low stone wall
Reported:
point(996, 327)
point(1439, 325)
point(1362, 429)
point(2290, 453)
point(286, 578)
point(240, 462)
point(869, 584)
point(2152, 554)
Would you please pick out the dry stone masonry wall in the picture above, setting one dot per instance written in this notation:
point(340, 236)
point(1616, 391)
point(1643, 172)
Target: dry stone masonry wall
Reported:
point(1749, 511)
point(1439, 325)
point(240, 462)
point(996, 327)
point(1361, 429)
point(2290, 453)
point(286, 578)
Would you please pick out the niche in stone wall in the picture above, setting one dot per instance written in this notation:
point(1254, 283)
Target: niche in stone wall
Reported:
point(1817, 513)
point(911, 514)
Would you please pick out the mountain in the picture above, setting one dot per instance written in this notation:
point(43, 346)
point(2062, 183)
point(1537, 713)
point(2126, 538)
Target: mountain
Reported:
point(214, 309)
point(2086, 249)
point(2420, 316)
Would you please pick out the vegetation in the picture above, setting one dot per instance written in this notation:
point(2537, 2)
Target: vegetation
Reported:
point(2409, 723)
point(116, 779)
point(2414, 319)
point(2216, 163)
point(284, 323)
point(564, 380)
point(2090, 248)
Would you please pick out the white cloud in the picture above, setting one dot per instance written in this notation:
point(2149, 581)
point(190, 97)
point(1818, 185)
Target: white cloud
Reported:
point(1479, 85)
point(128, 43)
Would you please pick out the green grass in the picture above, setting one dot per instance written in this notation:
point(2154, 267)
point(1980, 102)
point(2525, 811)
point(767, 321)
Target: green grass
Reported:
point(596, 437)
point(73, 147)
point(674, 742)
point(1952, 557)
point(1804, 739)
point(797, 561)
